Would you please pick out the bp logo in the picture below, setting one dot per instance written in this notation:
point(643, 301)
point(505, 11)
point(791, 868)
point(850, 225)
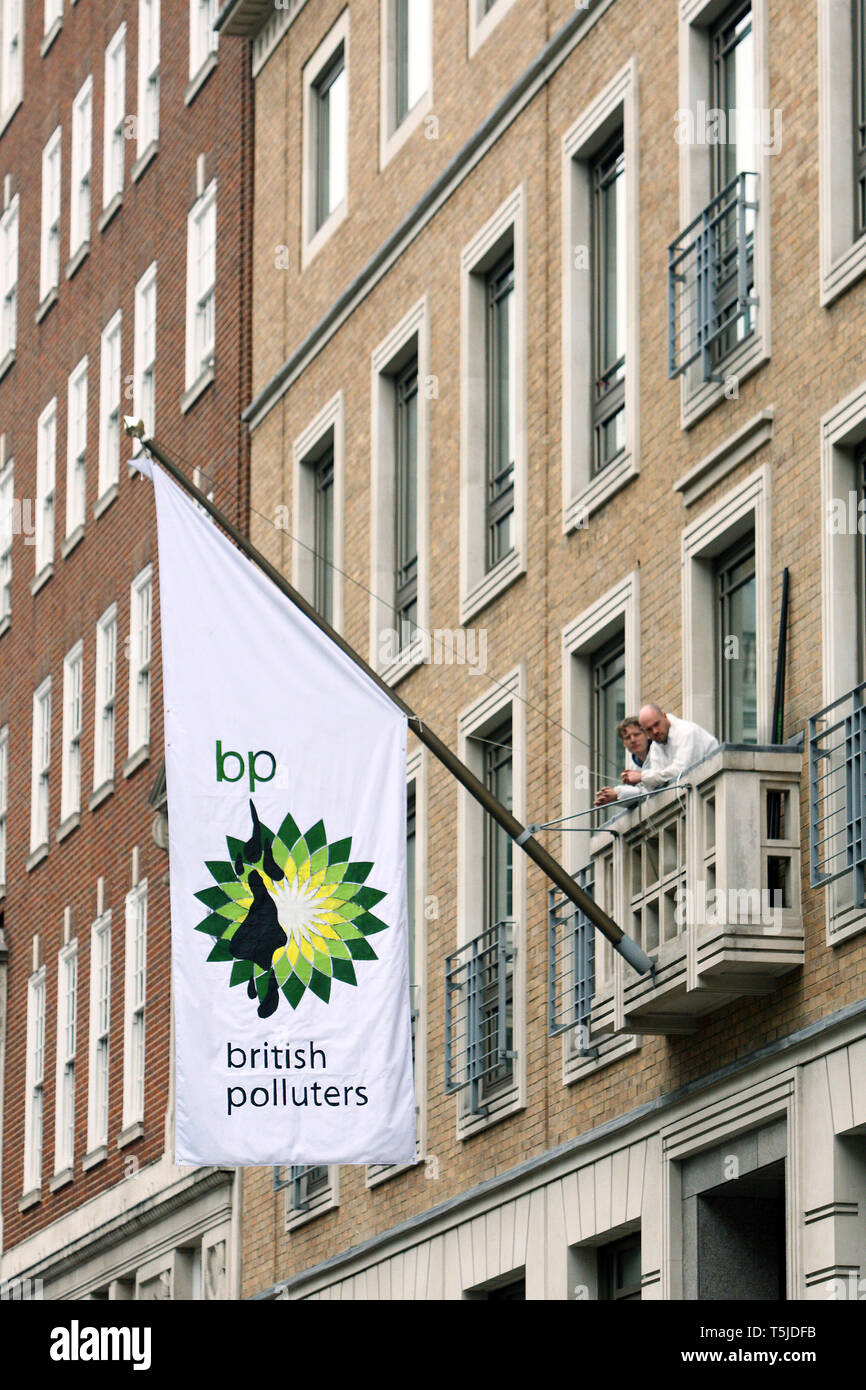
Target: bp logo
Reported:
point(291, 911)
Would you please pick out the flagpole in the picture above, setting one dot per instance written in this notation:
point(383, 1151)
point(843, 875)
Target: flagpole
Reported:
point(623, 944)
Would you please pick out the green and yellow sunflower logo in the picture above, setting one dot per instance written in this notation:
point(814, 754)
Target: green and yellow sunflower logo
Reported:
point(291, 911)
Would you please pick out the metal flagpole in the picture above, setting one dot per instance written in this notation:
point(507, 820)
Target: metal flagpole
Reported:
point(627, 948)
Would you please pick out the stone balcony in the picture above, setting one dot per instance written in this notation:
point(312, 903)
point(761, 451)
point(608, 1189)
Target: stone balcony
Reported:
point(706, 877)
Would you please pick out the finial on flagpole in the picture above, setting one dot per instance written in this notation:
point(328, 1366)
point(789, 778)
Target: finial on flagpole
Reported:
point(134, 428)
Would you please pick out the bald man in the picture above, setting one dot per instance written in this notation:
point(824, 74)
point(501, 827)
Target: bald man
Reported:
point(676, 744)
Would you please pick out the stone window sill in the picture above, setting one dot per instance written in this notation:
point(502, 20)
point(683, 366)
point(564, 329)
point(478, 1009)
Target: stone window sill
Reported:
point(67, 826)
point(42, 578)
point(78, 259)
point(136, 760)
point(200, 385)
point(72, 541)
point(30, 1199)
point(195, 84)
point(146, 158)
point(61, 1179)
point(102, 793)
point(36, 858)
point(112, 206)
point(47, 303)
point(7, 362)
point(95, 1156)
point(131, 1133)
point(49, 38)
point(105, 501)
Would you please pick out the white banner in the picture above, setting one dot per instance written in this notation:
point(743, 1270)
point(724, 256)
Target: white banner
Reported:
point(286, 778)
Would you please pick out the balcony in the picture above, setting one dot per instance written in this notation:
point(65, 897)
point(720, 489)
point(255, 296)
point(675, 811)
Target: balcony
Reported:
point(705, 876)
point(837, 793)
point(711, 281)
point(479, 1056)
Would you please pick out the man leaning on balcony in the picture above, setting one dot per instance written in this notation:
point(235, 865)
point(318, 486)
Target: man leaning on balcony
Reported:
point(637, 743)
point(677, 744)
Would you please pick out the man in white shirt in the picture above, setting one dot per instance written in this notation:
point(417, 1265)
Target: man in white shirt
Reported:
point(677, 744)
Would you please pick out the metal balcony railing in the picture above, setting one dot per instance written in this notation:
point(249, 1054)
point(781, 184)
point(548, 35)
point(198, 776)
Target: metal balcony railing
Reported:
point(711, 280)
point(837, 792)
point(478, 1008)
point(570, 964)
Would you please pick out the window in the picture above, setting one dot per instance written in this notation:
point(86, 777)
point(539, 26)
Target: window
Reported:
point(139, 662)
point(46, 468)
point(326, 138)
point(82, 154)
point(203, 38)
point(484, 15)
point(407, 32)
point(7, 531)
point(67, 1018)
point(842, 144)
point(144, 378)
point(70, 793)
point(317, 557)
point(4, 799)
point(410, 901)
point(9, 279)
point(859, 8)
point(201, 286)
point(53, 12)
point(100, 1014)
point(11, 18)
point(310, 1189)
point(323, 590)
point(135, 992)
point(114, 143)
point(498, 914)
point(501, 405)
point(406, 502)
point(733, 92)
point(49, 267)
point(608, 708)
point(609, 303)
point(619, 1271)
point(493, 465)
point(106, 656)
point(35, 1068)
point(148, 74)
point(76, 448)
point(735, 644)
point(109, 406)
point(41, 766)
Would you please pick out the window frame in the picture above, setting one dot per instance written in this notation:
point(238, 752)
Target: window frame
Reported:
point(40, 778)
point(394, 129)
point(326, 431)
point(315, 232)
point(9, 230)
point(51, 210)
point(71, 765)
point(734, 555)
point(114, 117)
point(76, 449)
point(106, 699)
point(7, 538)
point(324, 1200)
point(141, 637)
point(99, 1035)
point(4, 804)
point(144, 362)
point(11, 63)
point(203, 38)
point(81, 190)
point(483, 17)
point(46, 488)
point(110, 407)
point(843, 247)
point(67, 1042)
point(135, 1005)
point(34, 1110)
point(149, 75)
point(201, 292)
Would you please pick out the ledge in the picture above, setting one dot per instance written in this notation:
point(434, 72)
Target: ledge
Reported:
point(136, 760)
point(72, 541)
point(5, 624)
point(67, 826)
point(7, 362)
point(78, 259)
point(42, 578)
point(725, 457)
point(49, 38)
point(61, 1179)
point(105, 501)
point(132, 1132)
point(30, 1199)
point(195, 84)
point(201, 383)
point(509, 569)
point(7, 115)
point(95, 1156)
point(147, 156)
point(47, 303)
point(111, 207)
point(34, 859)
point(101, 793)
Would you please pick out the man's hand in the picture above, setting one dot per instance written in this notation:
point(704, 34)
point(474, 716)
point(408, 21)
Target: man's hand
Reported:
point(605, 796)
point(632, 776)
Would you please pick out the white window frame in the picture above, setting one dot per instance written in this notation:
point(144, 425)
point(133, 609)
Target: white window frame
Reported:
point(842, 429)
point(313, 238)
point(99, 1054)
point(393, 134)
point(327, 428)
point(52, 12)
point(73, 692)
point(745, 507)
point(203, 38)
point(200, 289)
point(696, 395)
point(506, 228)
point(67, 1030)
point(82, 168)
point(4, 803)
point(9, 279)
point(615, 106)
point(49, 260)
point(110, 383)
point(474, 722)
point(76, 448)
point(134, 1005)
point(11, 59)
point(7, 537)
point(843, 259)
point(40, 781)
point(46, 485)
point(140, 653)
point(144, 354)
point(324, 1201)
point(482, 25)
point(410, 337)
point(34, 1082)
point(149, 22)
point(114, 141)
point(105, 728)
